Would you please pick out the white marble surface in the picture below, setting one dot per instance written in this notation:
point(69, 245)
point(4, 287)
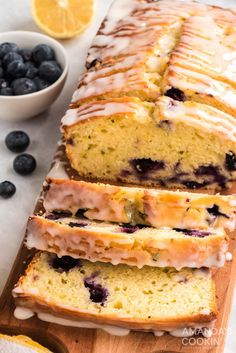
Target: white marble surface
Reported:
point(43, 131)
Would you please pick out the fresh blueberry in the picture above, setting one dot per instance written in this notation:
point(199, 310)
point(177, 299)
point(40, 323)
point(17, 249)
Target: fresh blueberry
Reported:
point(17, 141)
point(24, 164)
point(31, 70)
point(6, 91)
point(98, 294)
point(176, 94)
point(41, 83)
point(6, 48)
point(16, 69)
point(49, 71)
point(11, 56)
point(7, 189)
point(42, 52)
point(64, 263)
point(230, 161)
point(23, 86)
point(26, 54)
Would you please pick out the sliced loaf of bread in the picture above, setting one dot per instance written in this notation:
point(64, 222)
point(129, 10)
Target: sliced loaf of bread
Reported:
point(173, 144)
point(136, 205)
point(122, 243)
point(76, 293)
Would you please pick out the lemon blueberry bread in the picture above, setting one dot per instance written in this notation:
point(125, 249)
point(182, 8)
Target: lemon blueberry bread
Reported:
point(170, 143)
point(142, 206)
point(143, 51)
point(18, 344)
point(151, 299)
point(123, 243)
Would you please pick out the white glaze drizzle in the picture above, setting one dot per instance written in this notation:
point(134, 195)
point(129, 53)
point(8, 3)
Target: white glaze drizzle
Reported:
point(229, 256)
point(21, 313)
point(116, 330)
point(106, 242)
point(201, 116)
point(102, 108)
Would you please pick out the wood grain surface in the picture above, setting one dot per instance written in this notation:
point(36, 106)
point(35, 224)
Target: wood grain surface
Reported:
point(74, 340)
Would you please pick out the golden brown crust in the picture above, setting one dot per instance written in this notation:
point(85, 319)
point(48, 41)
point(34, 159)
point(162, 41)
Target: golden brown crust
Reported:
point(37, 304)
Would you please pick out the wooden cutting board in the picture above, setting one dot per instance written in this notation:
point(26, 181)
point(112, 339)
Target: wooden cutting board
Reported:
point(65, 339)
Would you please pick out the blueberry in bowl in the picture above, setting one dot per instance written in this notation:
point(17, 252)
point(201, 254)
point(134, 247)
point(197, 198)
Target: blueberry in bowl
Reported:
point(33, 70)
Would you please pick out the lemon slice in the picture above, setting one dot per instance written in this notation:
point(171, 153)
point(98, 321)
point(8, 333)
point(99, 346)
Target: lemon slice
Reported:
point(63, 18)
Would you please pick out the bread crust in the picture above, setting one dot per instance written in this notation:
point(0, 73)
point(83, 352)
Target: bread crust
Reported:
point(107, 243)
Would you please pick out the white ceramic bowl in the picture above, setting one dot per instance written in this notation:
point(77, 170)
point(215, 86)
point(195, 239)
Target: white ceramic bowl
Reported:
point(14, 108)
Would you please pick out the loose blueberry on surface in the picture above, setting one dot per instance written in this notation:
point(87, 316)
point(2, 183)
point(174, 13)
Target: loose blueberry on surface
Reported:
point(6, 91)
point(64, 263)
point(215, 211)
point(31, 70)
point(17, 141)
point(193, 232)
point(42, 52)
point(23, 86)
point(6, 48)
point(230, 161)
point(50, 71)
point(7, 189)
point(11, 56)
point(143, 166)
point(26, 54)
point(176, 94)
point(98, 294)
point(16, 69)
point(40, 83)
point(24, 164)
point(55, 215)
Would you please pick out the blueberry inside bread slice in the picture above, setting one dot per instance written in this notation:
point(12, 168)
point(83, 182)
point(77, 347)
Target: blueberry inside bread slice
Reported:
point(79, 292)
point(123, 243)
point(142, 206)
point(173, 144)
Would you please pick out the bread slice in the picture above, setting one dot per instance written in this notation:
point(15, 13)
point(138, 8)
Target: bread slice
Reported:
point(122, 243)
point(149, 299)
point(171, 143)
point(134, 205)
point(202, 66)
point(16, 344)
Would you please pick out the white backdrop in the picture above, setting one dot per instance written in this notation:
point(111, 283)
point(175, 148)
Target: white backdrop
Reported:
point(44, 133)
